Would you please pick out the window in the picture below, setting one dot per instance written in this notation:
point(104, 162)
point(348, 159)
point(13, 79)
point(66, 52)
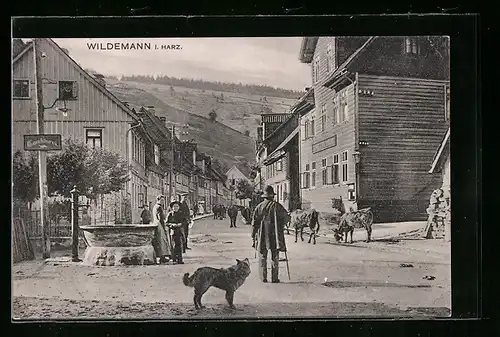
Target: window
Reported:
point(68, 90)
point(323, 117)
point(306, 127)
point(447, 103)
point(279, 165)
point(305, 177)
point(316, 70)
point(313, 176)
point(411, 45)
point(93, 137)
point(335, 118)
point(335, 171)
point(312, 127)
point(330, 61)
point(21, 89)
point(343, 106)
point(323, 172)
point(157, 154)
point(344, 166)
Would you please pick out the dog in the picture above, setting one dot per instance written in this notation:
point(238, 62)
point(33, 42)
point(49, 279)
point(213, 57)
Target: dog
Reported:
point(227, 279)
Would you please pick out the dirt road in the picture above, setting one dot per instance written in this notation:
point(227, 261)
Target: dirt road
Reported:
point(404, 279)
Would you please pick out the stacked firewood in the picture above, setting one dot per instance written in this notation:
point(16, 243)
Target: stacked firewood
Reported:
point(439, 212)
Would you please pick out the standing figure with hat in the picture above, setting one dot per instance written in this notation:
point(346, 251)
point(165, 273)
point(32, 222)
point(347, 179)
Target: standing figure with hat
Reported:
point(161, 240)
point(175, 219)
point(268, 233)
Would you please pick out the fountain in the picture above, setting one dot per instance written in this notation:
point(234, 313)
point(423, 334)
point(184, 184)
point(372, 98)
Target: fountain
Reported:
point(118, 245)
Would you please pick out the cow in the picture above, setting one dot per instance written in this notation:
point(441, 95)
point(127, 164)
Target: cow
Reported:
point(354, 219)
point(299, 219)
point(232, 212)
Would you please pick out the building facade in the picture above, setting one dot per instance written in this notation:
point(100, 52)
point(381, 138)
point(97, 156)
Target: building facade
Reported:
point(379, 115)
point(78, 106)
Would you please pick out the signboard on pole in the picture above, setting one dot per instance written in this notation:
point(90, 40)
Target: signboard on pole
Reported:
point(43, 142)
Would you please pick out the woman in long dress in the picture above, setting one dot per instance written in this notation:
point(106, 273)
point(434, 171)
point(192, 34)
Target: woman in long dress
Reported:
point(161, 242)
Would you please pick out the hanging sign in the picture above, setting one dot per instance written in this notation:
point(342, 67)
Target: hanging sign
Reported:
point(43, 142)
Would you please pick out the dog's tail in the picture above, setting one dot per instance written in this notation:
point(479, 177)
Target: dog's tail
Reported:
point(188, 281)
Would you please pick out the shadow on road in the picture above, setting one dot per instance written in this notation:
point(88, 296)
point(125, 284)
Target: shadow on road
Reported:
point(26, 308)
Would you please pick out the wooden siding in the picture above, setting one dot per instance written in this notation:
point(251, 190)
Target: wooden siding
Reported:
point(387, 56)
point(92, 108)
point(403, 124)
point(319, 197)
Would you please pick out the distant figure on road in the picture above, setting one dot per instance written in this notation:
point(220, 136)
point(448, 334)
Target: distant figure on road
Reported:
point(268, 233)
point(146, 215)
point(232, 212)
point(161, 240)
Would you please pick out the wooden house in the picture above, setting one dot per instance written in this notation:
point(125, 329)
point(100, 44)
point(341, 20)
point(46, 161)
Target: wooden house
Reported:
point(78, 106)
point(281, 165)
point(379, 116)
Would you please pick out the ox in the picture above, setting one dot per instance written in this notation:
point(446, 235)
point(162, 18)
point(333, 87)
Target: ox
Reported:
point(300, 219)
point(354, 219)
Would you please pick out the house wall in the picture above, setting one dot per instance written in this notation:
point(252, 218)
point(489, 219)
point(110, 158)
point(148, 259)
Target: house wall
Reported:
point(278, 179)
point(91, 109)
point(319, 197)
point(403, 123)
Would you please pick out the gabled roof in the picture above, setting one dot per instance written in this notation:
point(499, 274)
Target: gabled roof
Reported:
point(343, 67)
point(307, 48)
point(243, 168)
point(88, 76)
point(440, 154)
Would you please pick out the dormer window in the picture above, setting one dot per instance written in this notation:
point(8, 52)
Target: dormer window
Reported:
point(411, 45)
point(68, 90)
point(21, 89)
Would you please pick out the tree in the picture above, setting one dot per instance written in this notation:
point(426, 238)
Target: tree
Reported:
point(244, 190)
point(94, 171)
point(247, 132)
point(212, 115)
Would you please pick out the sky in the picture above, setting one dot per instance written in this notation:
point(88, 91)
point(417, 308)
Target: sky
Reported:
point(263, 61)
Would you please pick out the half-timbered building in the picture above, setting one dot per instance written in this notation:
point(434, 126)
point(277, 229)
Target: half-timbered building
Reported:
point(379, 116)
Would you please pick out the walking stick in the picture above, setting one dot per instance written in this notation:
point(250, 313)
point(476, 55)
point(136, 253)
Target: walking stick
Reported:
point(277, 244)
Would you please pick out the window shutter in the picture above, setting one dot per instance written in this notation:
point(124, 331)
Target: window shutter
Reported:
point(329, 175)
point(75, 89)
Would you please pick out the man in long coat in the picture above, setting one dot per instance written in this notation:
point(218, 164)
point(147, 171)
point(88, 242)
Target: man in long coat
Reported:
point(268, 232)
point(161, 241)
point(186, 219)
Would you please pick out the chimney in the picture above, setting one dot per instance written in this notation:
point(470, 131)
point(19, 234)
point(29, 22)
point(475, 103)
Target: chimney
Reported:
point(151, 109)
point(164, 120)
point(203, 165)
point(194, 156)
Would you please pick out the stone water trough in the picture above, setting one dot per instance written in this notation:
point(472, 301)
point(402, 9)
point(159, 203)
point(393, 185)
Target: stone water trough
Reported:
point(119, 245)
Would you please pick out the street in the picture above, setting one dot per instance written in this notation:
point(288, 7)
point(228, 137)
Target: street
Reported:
point(327, 279)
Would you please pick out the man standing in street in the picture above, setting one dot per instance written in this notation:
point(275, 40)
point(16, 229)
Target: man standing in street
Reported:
point(184, 209)
point(268, 233)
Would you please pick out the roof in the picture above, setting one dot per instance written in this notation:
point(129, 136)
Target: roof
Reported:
point(17, 46)
point(88, 76)
point(243, 168)
point(441, 152)
point(307, 49)
point(343, 67)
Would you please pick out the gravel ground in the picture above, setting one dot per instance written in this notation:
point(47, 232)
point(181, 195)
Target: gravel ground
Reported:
point(384, 278)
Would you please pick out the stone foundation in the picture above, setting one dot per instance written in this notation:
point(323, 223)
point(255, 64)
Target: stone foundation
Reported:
point(119, 256)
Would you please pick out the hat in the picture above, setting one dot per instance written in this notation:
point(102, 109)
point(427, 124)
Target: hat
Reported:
point(159, 197)
point(269, 192)
point(173, 203)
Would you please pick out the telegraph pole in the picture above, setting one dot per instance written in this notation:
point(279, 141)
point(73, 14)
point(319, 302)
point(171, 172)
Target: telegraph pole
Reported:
point(42, 155)
point(170, 189)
